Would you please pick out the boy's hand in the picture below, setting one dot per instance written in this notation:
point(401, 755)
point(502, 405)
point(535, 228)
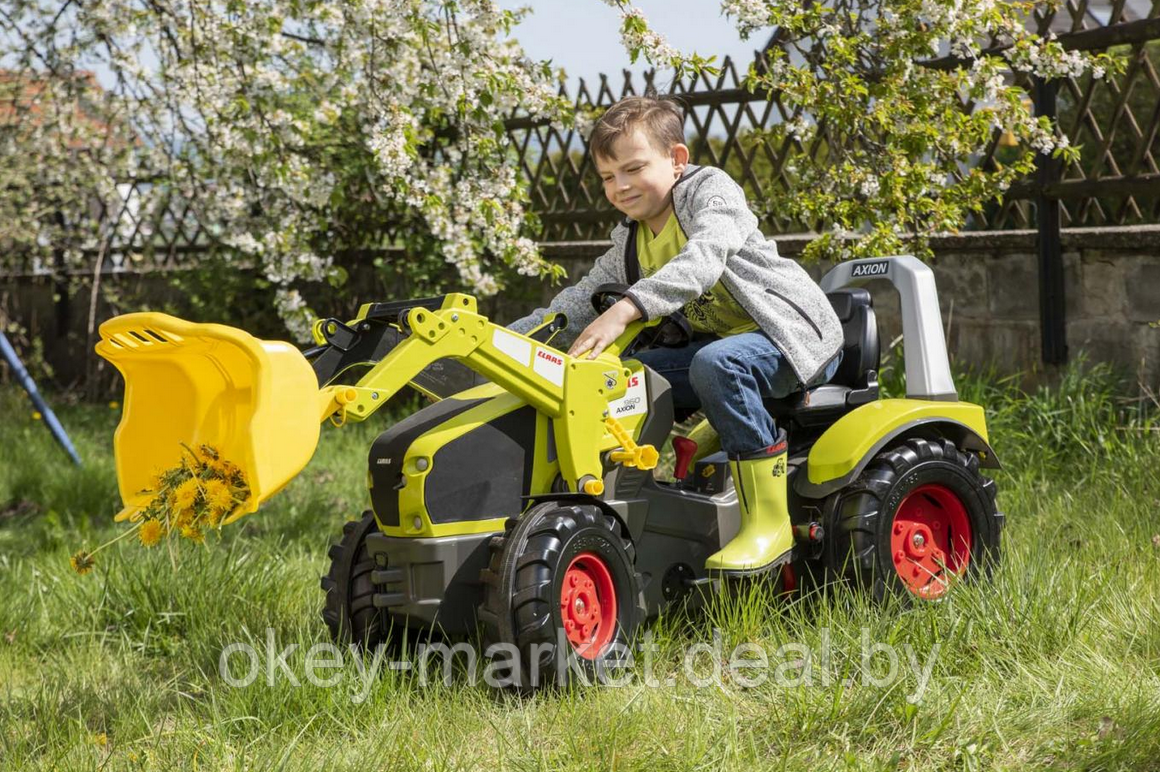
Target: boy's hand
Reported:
point(607, 328)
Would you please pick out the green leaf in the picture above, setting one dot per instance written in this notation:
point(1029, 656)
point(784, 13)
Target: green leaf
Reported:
point(338, 276)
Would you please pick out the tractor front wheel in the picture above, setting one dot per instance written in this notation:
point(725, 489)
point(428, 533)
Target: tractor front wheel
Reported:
point(348, 611)
point(920, 517)
point(561, 594)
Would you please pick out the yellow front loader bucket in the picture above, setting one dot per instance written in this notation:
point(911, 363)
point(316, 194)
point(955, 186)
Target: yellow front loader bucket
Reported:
point(256, 401)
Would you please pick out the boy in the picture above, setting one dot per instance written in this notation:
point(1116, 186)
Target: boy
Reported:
point(763, 327)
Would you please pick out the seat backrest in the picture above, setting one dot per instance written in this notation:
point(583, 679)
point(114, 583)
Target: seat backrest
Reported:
point(860, 353)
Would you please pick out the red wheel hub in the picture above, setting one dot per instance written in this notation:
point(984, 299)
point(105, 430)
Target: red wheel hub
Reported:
point(930, 541)
point(788, 579)
point(588, 604)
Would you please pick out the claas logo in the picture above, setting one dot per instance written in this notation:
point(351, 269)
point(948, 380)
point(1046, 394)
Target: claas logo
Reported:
point(550, 357)
point(610, 380)
point(709, 470)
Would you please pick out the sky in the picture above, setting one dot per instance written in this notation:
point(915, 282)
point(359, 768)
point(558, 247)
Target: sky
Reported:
point(583, 36)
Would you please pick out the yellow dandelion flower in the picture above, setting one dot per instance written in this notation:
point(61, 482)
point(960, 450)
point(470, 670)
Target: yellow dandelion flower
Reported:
point(185, 495)
point(82, 562)
point(36, 416)
point(184, 517)
point(150, 532)
point(101, 739)
point(218, 496)
point(199, 493)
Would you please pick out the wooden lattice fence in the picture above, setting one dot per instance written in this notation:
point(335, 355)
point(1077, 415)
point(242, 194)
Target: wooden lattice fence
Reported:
point(1116, 119)
point(1116, 182)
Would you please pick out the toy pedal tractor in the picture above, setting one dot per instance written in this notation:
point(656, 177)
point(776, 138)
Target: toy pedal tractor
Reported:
point(523, 499)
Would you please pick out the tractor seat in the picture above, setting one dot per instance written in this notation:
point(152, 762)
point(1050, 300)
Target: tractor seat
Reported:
point(856, 381)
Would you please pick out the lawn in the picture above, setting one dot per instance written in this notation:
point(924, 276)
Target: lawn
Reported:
point(1054, 663)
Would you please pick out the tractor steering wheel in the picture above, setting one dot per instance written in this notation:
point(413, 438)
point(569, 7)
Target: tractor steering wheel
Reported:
point(674, 331)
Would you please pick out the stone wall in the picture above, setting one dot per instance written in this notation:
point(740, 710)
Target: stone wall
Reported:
point(988, 292)
point(989, 297)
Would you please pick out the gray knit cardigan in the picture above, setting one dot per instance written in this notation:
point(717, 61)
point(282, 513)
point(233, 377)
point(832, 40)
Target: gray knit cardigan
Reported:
point(724, 244)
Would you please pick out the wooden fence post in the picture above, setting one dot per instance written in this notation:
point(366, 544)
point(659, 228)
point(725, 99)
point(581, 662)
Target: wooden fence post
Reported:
point(1052, 309)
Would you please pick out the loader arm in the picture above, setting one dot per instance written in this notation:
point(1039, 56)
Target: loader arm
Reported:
point(378, 328)
point(260, 403)
point(573, 392)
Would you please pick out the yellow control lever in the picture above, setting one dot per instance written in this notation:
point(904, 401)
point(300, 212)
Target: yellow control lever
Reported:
point(630, 454)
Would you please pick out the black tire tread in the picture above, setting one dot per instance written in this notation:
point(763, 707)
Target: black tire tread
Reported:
point(852, 551)
point(348, 609)
point(517, 607)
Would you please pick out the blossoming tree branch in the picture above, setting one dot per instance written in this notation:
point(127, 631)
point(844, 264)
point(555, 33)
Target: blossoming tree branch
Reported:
point(294, 129)
point(297, 130)
point(900, 132)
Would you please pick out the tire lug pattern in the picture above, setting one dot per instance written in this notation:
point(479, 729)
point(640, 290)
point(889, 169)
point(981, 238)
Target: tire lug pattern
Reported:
point(347, 609)
point(861, 515)
point(520, 605)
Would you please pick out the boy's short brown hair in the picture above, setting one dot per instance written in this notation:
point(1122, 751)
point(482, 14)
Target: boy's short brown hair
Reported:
point(661, 119)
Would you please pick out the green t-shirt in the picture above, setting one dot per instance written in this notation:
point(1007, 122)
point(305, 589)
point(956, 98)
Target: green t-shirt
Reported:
point(716, 311)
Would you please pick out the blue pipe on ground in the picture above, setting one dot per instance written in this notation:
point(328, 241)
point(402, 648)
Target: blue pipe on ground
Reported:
point(30, 386)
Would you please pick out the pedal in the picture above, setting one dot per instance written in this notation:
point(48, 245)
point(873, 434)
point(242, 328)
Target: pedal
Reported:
point(709, 474)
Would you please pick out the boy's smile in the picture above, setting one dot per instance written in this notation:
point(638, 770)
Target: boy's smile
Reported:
point(639, 179)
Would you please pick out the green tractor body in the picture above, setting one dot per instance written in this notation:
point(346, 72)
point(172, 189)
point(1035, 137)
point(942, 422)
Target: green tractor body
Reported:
point(525, 498)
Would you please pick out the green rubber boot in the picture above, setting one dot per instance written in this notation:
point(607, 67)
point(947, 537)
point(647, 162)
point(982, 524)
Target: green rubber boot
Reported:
point(766, 536)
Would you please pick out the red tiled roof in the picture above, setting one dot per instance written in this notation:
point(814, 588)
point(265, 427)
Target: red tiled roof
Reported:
point(22, 102)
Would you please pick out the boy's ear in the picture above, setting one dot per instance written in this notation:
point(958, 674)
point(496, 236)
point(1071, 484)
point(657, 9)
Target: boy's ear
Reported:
point(680, 156)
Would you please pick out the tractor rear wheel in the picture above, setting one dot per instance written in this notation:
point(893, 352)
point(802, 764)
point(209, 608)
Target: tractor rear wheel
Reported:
point(920, 517)
point(561, 594)
point(348, 611)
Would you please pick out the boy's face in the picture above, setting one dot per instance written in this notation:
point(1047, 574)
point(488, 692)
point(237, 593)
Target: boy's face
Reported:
point(638, 181)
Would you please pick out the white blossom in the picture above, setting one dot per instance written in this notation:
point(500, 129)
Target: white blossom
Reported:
point(653, 45)
point(295, 313)
point(250, 126)
point(247, 122)
point(750, 14)
point(1042, 140)
point(799, 128)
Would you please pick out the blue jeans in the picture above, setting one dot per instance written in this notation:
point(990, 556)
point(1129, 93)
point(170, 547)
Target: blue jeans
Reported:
point(727, 379)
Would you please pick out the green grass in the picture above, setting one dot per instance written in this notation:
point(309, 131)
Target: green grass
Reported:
point(1054, 663)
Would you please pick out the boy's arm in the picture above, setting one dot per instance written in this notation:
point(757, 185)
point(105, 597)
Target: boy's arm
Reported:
point(722, 225)
point(575, 302)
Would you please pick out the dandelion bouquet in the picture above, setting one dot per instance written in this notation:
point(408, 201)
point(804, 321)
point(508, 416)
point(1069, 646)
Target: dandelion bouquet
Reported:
point(198, 494)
